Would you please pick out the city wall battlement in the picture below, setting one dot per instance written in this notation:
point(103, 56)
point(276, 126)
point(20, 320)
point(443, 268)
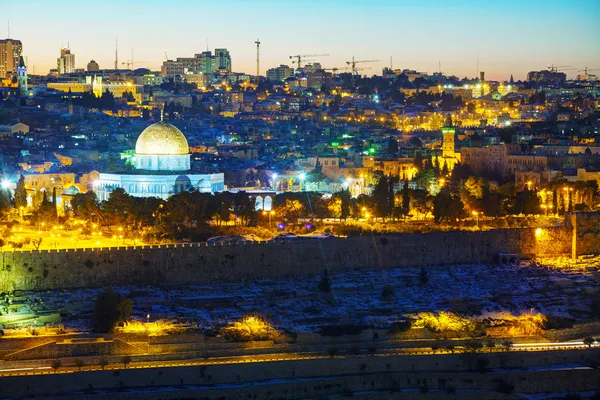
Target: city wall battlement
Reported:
point(209, 263)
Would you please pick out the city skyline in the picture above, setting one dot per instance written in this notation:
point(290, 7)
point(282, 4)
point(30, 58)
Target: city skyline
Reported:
point(500, 39)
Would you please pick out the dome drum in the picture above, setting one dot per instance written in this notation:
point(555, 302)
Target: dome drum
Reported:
point(162, 147)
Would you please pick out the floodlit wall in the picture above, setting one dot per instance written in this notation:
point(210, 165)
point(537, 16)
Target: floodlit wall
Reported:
point(202, 263)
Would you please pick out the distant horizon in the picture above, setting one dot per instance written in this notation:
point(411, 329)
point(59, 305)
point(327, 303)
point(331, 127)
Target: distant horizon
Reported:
point(505, 38)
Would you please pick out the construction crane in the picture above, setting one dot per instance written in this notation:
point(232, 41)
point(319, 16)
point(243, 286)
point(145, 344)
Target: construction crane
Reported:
point(301, 57)
point(166, 56)
point(586, 69)
point(557, 68)
point(257, 43)
point(334, 70)
point(305, 61)
point(354, 62)
point(130, 63)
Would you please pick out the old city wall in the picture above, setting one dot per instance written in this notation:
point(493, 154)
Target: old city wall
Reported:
point(586, 232)
point(204, 264)
point(201, 263)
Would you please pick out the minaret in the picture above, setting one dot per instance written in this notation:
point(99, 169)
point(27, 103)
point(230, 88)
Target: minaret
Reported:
point(512, 81)
point(448, 145)
point(22, 77)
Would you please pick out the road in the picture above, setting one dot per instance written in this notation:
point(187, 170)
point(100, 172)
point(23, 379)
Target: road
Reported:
point(41, 367)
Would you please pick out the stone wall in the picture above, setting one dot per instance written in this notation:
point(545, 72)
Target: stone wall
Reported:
point(200, 263)
point(585, 227)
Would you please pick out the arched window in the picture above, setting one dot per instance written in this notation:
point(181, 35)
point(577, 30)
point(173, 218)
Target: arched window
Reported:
point(259, 203)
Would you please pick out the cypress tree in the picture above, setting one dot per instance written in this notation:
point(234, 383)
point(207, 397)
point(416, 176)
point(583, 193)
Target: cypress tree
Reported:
point(20, 193)
point(405, 199)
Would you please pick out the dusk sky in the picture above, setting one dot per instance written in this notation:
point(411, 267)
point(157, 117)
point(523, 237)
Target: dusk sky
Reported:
point(507, 36)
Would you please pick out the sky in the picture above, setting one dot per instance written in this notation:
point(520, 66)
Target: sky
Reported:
point(498, 37)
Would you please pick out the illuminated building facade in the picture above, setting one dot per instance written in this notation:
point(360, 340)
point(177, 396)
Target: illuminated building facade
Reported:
point(97, 86)
point(204, 62)
point(162, 168)
point(65, 64)
point(10, 54)
point(280, 73)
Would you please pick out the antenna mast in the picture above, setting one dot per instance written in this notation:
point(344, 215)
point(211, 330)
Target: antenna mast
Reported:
point(8, 37)
point(116, 54)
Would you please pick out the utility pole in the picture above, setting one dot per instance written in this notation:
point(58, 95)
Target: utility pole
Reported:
point(257, 60)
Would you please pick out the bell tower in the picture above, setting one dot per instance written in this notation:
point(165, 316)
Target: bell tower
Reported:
point(22, 77)
point(448, 134)
point(449, 155)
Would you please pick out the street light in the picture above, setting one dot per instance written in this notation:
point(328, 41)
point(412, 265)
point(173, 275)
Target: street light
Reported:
point(476, 214)
point(301, 176)
point(269, 213)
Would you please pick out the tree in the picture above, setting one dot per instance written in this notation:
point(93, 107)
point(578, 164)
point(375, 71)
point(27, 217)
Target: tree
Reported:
point(383, 197)
point(79, 363)
point(387, 293)
point(103, 363)
point(425, 179)
point(4, 200)
point(507, 344)
point(20, 199)
point(46, 212)
point(555, 202)
point(111, 309)
point(392, 147)
point(126, 360)
point(570, 206)
point(436, 166)
point(345, 206)
point(405, 199)
point(447, 206)
point(423, 277)
point(325, 283)
point(56, 364)
point(589, 341)
point(418, 160)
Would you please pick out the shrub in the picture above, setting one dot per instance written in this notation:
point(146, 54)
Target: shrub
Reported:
point(249, 328)
point(387, 293)
point(126, 360)
point(332, 351)
point(56, 364)
point(111, 310)
point(79, 363)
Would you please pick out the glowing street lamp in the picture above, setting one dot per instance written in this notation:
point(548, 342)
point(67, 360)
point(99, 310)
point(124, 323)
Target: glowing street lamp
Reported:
point(302, 177)
point(476, 215)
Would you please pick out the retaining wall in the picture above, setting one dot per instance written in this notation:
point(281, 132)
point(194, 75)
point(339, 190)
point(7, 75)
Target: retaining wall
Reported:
point(199, 263)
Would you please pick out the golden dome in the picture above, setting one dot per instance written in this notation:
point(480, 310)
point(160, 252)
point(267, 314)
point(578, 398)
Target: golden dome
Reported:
point(162, 138)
